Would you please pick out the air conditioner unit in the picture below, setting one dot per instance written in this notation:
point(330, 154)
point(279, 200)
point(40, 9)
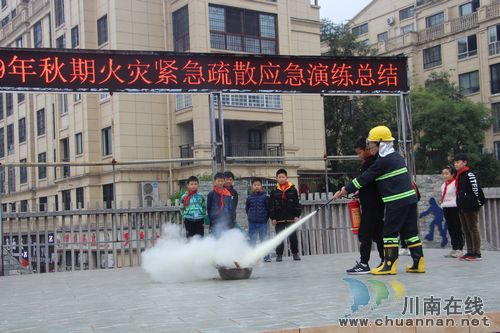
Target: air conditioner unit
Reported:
point(390, 20)
point(150, 194)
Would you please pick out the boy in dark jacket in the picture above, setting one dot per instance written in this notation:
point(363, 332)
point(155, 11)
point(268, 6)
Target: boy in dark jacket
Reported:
point(257, 208)
point(284, 210)
point(470, 198)
point(372, 214)
point(219, 207)
point(228, 183)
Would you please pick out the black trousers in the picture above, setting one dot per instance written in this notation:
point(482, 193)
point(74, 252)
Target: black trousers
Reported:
point(370, 230)
point(294, 242)
point(401, 221)
point(194, 227)
point(454, 227)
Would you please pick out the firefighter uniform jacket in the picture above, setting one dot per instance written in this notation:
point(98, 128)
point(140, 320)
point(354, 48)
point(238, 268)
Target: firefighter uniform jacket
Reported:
point(392, 178)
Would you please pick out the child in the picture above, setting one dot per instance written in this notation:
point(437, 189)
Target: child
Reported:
point(284, 210)
point(372, 214)
point(257, 208)
point(470, 198)
point(450, 211)
point(228, 183)
point(219, 207)
point(193, 209)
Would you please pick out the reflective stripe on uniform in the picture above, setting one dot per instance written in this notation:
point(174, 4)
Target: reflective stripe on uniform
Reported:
point(356, 184)
point(413, 239)
point(391, 240)
point(392, 174)
point(399, 196)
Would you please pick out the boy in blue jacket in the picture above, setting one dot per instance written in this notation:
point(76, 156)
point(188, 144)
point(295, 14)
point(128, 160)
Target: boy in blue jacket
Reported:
point(257, 208)
point(193, 209)
point(220, 207)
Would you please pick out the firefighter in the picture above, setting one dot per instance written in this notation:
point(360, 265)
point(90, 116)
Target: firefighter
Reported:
point(391, 175)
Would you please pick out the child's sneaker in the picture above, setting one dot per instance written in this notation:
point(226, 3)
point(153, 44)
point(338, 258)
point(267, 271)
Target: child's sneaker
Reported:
point(359, 269)
point(296, 257)
point(465, 256)
point(267, 258)
point(457, 254)
point(451, 254)
point(474, 257)
point(279, 258)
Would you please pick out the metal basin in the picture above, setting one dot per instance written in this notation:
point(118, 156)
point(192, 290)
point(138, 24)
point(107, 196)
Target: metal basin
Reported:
point(234, 273)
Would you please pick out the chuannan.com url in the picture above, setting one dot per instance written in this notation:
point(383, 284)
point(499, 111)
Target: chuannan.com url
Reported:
point(416, 322)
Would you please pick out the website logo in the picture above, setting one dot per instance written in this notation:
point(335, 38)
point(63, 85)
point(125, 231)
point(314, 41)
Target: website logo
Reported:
point(380, 292)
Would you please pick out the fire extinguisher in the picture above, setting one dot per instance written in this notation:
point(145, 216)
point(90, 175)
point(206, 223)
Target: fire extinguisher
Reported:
point(355, 214)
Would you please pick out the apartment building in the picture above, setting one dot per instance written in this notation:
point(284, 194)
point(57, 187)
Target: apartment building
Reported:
point(458, 36)
point(88, 128)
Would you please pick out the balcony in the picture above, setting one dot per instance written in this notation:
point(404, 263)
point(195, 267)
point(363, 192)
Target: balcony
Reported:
point(465, 22)
point(431, 33)
point(186, 151)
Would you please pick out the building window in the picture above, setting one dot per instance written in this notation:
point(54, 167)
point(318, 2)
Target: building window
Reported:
point(104, 97)
point(495, 112)
point(64, 144)
point(13, 13)
point(107, 195)
point(254, 139)
point(77, 97)
point(360, 29)
point(10, 139)
point(434, 20)
point(79, 143)
point(63, 104)
point(2, 143)
point(23, 172)
point(79, 198)
point(432, 57)
point(21, 98)
point(494, 39)
point(467, 46)
point(66, 199)
point(24, 206)
point(59, 12)
point(61, 42)
point(183, 101)
point(407, 29)
point(255, 101)
point(40, 122)
point(497, 150)
point(242, 30)
point(42, 170)
point(19, 42)
point(11, 174)
point(406, 13)
point(75, 37)
point(42, 204)
point(37, 34)
point(102, 30)
point(2, 180)
point(107, 143)
point(5, 21)
point(383, 36)
point(180, 21)
point(469, 82)
point(495, 78)
point(468, 8)
point(9, 104)
point(22, 130)
point(4, 4)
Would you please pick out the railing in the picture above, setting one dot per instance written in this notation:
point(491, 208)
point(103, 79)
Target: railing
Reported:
point(493, 10)
point(431, 33)
point(252, 149)
point(186, 152)
point(464, 22)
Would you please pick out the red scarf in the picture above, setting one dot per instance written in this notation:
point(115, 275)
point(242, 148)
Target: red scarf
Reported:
point(188, 197)
point(224, 192)
point(446, 188)
point(465, 169)
point(283, 189)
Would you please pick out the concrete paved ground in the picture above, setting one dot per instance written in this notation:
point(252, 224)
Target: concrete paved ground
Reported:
point(278, 295)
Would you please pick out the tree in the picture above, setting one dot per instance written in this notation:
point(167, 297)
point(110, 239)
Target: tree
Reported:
point(445, 123)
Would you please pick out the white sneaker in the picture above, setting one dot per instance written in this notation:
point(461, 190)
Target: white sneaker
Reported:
point(451, 254)
point(457, 254)
point(404, 252)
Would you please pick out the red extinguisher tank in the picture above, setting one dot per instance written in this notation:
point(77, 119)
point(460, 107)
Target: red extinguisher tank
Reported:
point(355, 214)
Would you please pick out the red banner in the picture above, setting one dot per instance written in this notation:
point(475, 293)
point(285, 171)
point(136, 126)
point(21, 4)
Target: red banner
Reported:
point(61, 70)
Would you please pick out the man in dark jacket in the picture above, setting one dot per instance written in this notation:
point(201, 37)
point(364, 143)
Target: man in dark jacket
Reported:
point(372, 214)
point(284, 210)
point(391, 175)
point(470, 198)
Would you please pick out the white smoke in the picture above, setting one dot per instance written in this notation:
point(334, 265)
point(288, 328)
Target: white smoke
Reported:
point(176, 259)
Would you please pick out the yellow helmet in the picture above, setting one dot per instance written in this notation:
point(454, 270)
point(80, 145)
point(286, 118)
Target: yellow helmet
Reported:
point(380, 133)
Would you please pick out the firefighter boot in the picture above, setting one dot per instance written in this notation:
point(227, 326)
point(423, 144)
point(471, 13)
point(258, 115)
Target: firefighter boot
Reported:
point(389, 267)
point(417, 255)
